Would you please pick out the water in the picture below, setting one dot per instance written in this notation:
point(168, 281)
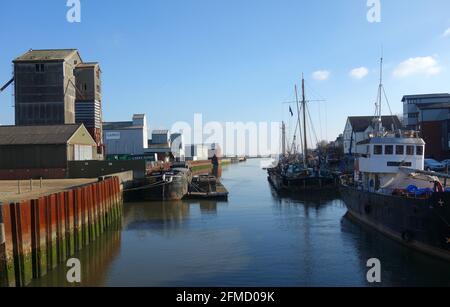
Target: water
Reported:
point(254, 239)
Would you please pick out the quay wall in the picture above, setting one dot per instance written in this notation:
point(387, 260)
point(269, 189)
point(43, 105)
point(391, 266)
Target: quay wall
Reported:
point(38, 235)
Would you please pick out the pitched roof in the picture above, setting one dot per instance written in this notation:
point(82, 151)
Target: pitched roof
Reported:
point(37, 135)
point(361, 123)
point(46, 55)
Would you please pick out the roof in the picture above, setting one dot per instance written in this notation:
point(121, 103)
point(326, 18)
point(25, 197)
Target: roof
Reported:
point(46, 55)
point(393, 141)
point(361, 123)
point(425, 96)
point(87, 65)
point(160, 132)
point(37, 135)
point(120, 126)
point(139, 116)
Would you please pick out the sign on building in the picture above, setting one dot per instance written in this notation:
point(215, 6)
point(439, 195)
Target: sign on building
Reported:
point(113, 135)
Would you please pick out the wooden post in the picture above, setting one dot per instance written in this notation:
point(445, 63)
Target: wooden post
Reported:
point(18, 187)
point(31, 184)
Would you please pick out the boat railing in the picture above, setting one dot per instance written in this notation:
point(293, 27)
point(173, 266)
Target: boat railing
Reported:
point(347, 180)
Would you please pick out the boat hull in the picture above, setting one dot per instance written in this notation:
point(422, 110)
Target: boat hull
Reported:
point(169, 191)
point(284, 184)
point(421, 224)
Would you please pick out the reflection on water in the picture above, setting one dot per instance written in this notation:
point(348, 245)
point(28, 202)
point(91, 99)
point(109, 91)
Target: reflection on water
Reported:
point(95, 262)
point(257, 238)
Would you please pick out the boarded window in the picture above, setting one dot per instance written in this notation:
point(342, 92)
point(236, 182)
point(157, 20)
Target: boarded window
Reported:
point(82, 152)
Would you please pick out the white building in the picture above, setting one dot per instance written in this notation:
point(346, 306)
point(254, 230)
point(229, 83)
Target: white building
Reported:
point(178, 147)
point(197, 152)
point(126, 138)
point(358, 129)
point(214, 149)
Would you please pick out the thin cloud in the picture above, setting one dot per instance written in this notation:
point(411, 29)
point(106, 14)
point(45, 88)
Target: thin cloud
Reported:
point(427, 66)
point(446, 33)
point(321, 75)
point(359, 73)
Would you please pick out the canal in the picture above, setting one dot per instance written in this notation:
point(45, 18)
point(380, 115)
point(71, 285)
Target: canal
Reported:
point(254, 239)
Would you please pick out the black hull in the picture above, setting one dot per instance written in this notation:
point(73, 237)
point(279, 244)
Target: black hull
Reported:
point(160, 188)
point(422, 224)
point(307, 184)
point(170, 191)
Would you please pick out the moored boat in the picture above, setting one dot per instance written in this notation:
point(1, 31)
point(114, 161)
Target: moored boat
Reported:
point(163, 185)
point(300, 173)
point(391, 192)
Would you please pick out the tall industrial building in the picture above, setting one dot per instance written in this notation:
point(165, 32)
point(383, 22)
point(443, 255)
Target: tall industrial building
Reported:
point(45, 90)
point(55, 87)
point(88, 103)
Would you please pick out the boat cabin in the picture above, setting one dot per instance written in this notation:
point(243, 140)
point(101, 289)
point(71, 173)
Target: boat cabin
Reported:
point(385, 156)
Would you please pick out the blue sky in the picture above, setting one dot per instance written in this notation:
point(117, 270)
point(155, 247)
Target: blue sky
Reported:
point(238, 60)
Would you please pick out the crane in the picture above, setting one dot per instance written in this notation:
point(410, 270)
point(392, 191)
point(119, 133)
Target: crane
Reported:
point(6, 85)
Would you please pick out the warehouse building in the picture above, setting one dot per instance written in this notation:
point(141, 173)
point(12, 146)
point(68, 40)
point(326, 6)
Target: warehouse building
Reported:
point(430, 115)
point(88, 103)
point(160, 146)
point(198, 152)
point(45, 90)
point(33, 152)
point(55, 87)
point(128, 138)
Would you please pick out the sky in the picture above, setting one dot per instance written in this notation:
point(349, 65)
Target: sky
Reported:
point(238, 60)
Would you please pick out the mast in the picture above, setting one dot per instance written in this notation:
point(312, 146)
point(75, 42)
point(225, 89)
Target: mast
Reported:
point(305, 145)
point(378, 115)
point(283, 140)
point(299, 118)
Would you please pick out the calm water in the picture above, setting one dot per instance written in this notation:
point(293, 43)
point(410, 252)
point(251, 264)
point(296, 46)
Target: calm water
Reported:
point(255, 239)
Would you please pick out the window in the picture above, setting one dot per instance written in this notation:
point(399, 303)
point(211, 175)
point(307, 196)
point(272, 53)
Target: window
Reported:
point(389, 150)
point(400, 150)
point(419, 150)
point(40, 68)
point(410, 150)
point(378, 149)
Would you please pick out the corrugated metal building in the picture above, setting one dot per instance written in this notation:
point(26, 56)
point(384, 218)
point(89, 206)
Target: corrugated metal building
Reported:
point(88, 104)
point(42, 151)
point(126, 138)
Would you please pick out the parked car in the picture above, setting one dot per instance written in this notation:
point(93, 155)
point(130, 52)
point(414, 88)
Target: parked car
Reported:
point(446, 163)
point(435, 166)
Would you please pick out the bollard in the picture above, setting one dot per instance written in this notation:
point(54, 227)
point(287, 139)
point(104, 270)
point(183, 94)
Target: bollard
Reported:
point(31, 184)
point(18, 187)
point(40, 183)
